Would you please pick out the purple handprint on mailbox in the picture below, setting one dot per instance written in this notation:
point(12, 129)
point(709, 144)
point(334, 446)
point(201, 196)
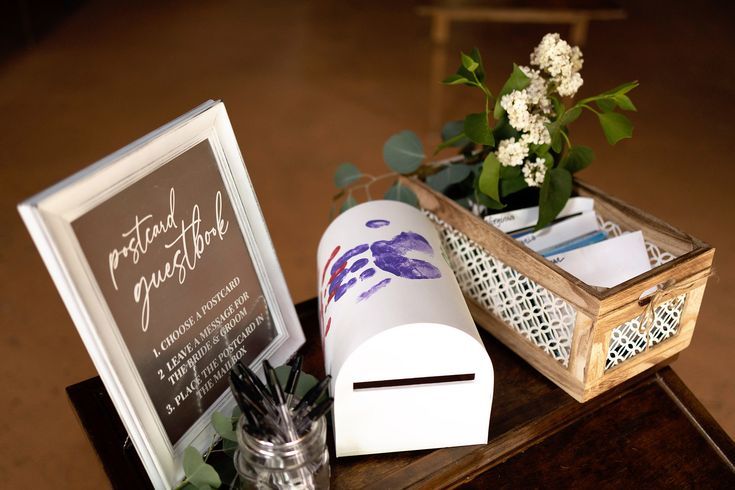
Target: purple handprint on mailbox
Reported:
point(391, 256)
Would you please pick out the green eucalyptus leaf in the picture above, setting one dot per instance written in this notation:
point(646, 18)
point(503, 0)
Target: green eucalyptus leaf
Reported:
point(197, 472)
point(451, 130)
point(236, 412)
point(404, 152)
point(517, 81)
point(229, 446)
point(615, 126)
point(223, 425)
point(477, 129)
point(348, 203)
point(490, 176)
point(451, 174)
point(455, 141)
point(555, 192)
point(577, 158)
point(346, 174)
point(401, 193)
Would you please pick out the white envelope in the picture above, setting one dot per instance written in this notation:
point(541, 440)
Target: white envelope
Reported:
point(511, 221)
point(609, 263)
point(561, 232)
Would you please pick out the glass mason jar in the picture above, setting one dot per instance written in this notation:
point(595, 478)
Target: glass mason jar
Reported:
point(301, 464)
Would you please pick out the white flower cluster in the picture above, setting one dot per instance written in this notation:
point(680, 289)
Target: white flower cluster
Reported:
point(537, 90)
point(530, 110)
point(561, 61)
point(526, 116)
point(534, 172)
point(512, 152)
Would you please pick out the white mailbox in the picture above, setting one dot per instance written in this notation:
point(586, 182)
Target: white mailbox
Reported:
point(409, 370)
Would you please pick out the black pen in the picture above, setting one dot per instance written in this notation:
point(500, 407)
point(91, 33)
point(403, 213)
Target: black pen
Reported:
point(245, 402)
point(280, 400)
point(252, 390)
point(293, 379)
point(257, 385)
point(257, 416)
point(312, 396)
point(314, 414)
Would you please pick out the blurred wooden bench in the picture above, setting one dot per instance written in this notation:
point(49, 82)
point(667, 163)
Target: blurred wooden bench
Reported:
point(577, 15)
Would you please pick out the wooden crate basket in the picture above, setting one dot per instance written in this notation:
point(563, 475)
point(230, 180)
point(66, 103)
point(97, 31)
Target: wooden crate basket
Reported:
point(583, 338)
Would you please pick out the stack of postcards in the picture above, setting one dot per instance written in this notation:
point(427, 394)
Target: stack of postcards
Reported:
point(576, 242)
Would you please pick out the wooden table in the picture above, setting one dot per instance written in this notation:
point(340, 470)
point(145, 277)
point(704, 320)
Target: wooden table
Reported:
point(648, 433)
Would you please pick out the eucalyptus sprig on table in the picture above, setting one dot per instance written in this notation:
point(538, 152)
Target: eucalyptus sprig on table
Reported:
point(518, 145)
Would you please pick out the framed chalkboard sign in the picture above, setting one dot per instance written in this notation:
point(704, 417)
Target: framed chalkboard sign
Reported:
point(163, 259)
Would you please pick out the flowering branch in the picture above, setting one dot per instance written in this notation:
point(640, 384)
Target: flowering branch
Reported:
point(528, 149)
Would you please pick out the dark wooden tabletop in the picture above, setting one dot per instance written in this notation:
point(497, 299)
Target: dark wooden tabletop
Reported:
point(651, 432)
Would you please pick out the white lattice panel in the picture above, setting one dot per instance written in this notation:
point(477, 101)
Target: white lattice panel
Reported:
point(528, 308)
point(629, 339)
point(538, 314)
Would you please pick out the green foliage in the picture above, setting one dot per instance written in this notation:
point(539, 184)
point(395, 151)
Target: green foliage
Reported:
point(516, 81)
point(346, 174)
point(449, 175)
point(404, 152)
point(401, 193)
point(487, 201)
point(478, 176)
point(469, 64)
point(555, 192)
point(471, 71)
point(577, 158)
point(198, 473)
point(477, 129)
point(490, 177)
point(305, 383)
point(223, 426)
point(348, 203)
point(615, 126)
point(452, 135)
point(451, 130)
point(568, 117)
point(511, 185)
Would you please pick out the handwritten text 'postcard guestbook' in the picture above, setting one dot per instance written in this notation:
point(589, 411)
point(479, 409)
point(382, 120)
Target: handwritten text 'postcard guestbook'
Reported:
point(165, 264)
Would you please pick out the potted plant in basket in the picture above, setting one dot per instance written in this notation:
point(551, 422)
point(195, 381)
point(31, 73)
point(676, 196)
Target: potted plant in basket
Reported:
point(517, 151)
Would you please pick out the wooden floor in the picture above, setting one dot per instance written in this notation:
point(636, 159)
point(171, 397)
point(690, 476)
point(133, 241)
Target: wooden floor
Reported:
point(309, 85)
